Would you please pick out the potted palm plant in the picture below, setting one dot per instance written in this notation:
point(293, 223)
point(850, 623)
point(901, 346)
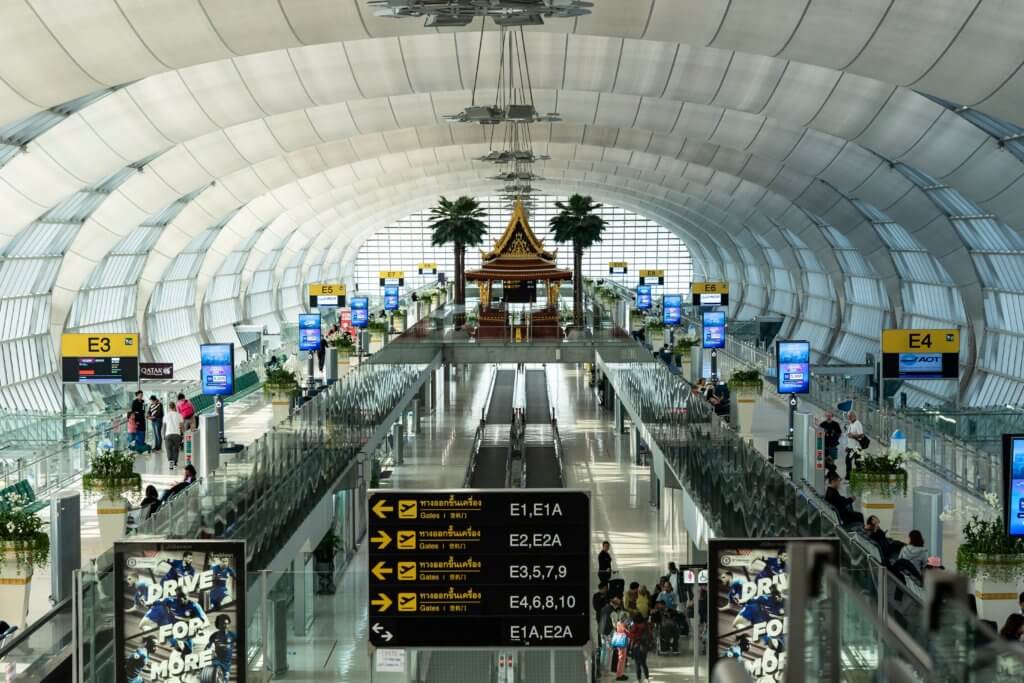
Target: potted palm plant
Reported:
point(992, 560)
point(879, 480)
point(111, 476)
point(459, 223)
point(281, 386)
point(23, 547)
point(577, 224)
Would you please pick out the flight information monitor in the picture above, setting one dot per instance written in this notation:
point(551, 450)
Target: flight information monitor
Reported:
point(793, 360)
point(671, 309)
point(479, 568)
point(643, 297)
point(714, 330)
point(99, 358)
point(391, 298)
point(360, 311)
point(217, 369)
point(921, 354)
point(309, 331)
point(1013, 475)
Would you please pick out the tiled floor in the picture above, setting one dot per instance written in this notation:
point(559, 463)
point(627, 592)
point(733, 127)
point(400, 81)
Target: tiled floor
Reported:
point(596, 460)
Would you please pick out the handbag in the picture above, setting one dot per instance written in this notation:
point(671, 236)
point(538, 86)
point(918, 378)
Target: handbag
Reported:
point(619, 640)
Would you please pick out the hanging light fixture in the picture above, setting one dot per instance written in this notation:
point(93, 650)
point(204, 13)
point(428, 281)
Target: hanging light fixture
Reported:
point(447, 13)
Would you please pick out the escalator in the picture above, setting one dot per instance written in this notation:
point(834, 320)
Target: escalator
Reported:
point(541, 463)
point(491, 462)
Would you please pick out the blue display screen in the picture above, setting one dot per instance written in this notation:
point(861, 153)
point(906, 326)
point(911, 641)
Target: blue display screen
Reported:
point(360, 311)
point(671, 309)
point(391, 298)
point(643, 297)
point(714, 330)
point(309, 331)
point(217, 369)
point(1015, 495)
point(794, 367)
point(920, 365)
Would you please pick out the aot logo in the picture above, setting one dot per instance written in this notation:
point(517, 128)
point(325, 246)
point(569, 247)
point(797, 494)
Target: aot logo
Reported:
point(921, 363)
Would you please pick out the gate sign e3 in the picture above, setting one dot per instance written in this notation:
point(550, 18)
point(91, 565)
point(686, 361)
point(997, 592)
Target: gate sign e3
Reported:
point(100, 357)
point(921, 354)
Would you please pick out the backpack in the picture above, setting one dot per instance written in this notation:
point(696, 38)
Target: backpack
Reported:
point(185, 409)
point(645, 643)
point(133, 425)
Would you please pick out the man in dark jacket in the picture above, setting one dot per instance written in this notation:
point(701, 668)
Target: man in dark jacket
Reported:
point(842, 504)
point(833, 432)
point(139, 411)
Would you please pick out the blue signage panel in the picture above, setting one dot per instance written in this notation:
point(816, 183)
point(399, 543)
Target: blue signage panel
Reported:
point(643, 297)
point(217, 369)
point(391, 298)
point(671, 309)
point(309, 331)
point(714, 330)
point(793, 359)
point(360, 311)
point(1013, 475)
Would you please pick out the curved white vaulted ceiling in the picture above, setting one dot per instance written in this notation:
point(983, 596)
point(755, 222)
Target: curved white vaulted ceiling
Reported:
point(774, 136)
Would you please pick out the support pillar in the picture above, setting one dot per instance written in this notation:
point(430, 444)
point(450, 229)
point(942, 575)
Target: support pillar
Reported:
point(634, 446)
point(620, 417)
point(927, 506)
point(331, 366)
point(398, 437)
point(415, 404)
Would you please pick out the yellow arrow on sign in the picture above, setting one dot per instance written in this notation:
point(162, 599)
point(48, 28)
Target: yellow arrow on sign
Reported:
point(382, 602)
point(380, 570)
point(381, 507)
point(382, 538)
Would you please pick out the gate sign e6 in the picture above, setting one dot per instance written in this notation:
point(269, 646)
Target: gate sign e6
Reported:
point(921, 354)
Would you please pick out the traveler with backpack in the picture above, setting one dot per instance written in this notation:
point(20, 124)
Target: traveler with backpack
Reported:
point(641, 635)
point(173, 429)
point(187, 412)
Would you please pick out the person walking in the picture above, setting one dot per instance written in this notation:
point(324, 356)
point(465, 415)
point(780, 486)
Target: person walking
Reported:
point(833, 432)
point(174, 428)
point(155, 413)
point(641, 638)
point(139, 411)
point(187, 412)
point(620, 643)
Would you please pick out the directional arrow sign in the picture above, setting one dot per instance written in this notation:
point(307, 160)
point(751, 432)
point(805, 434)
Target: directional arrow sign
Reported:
point(380, 570)
point(381, 508)
point(382, 538)
point(384, 634)
point(382, 602)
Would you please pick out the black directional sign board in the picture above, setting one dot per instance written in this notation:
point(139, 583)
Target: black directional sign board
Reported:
point(472, 568)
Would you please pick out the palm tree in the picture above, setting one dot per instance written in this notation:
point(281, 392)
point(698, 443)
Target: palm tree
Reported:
point(458, 222)
point(577, 223)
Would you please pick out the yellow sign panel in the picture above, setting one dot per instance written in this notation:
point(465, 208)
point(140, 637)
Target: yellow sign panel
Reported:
point(407, 571)
point(710, 287)
point(920, 341)
point(392, 275)
point(618, 264)
point(408, 509)
point(427, 266)
point(100, 345)
point(327, 289)
point(407, 540)
point(652, 273)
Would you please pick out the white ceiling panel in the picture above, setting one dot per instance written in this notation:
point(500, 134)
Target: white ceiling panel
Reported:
point(987, 173)
point(749, 82)
point(817, 41)
point(697, 74)
point(432, 63)
point(546, 55)
point(736, 129)
point(273, 82)
point(658, 115)
point(325, 73)
point(379, 67)
point(698, 121)
point(167, 102)
point(253, 140)
point(178, 32)
point(250, 26)
point(815, 152)
point(413, 110)
point(775, 140)
point(761, 26)
point(644, 67)
point(218, 156)
point(800, 92)
point(577, 106)
point(634, 138)
point(123, 126)
point(592, 62)
point(617, 110)
point(665, 145)
point(946, 145)
point(293, 130)
point(323, 21)
point(77, 148)
point(372, 115)
point(600, 136)
point(617, 17)
point(221, 93)
point(900, 124)
point(333, 121)
point(852, 106)
point(692, 22)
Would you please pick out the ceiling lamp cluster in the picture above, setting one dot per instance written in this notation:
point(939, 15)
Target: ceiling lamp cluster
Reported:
point(442, 13)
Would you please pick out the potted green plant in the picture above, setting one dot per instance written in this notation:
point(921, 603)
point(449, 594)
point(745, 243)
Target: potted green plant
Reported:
point(992, 560)
point(398, 320)
point(746, 381)
point(281, 386)
point(684, 348)
point(23, 547)
point(378, 327)
point(879, 480)
point(343, 342)
point(111, 476)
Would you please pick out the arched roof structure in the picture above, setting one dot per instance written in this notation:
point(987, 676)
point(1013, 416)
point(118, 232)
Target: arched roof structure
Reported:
point(162, 160)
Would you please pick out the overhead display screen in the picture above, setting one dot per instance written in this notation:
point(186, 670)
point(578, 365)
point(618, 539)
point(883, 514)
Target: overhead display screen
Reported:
point(643, 297)
point(391, 298)
point(1013, 476)
point(671, 309)
point(710, 293)
point(714, 330)
point(793, 360)
point(360, 311)
point(217, 369)
point(98, 358)
point(479, 568)
point(652, 277)
point(309, 331)
point(329, 295)
point(618, 267)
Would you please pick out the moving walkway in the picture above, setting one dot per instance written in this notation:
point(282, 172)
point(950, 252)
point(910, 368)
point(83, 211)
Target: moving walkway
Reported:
point(542, 466)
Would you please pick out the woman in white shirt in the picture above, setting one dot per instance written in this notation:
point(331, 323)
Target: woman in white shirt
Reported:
point(173, 433)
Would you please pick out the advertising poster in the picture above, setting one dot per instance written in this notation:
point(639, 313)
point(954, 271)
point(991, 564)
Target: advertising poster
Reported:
point(794, 365)
point(671, 309)
point(1013, 475)
point(750, 589)
point(360, 311)
point(345, 321)
point(391, 298)
point(920, 366)
point(643, 297)
point(179, 612)
point(309, 331)
point(217, 371)
point(714, 330)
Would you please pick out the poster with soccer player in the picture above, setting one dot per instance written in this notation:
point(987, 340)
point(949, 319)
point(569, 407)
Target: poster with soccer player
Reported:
point(180, 611)
point(750, 590)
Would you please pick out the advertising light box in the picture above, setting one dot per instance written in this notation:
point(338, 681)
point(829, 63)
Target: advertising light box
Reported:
point(671, 309)
point(793, 360)
point(391, 298)
point(217, 369)
point(179, 611)
point(1013, 476)
point(643, 297)
point(714, 330)
point(360, 311)
point(309, 331)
